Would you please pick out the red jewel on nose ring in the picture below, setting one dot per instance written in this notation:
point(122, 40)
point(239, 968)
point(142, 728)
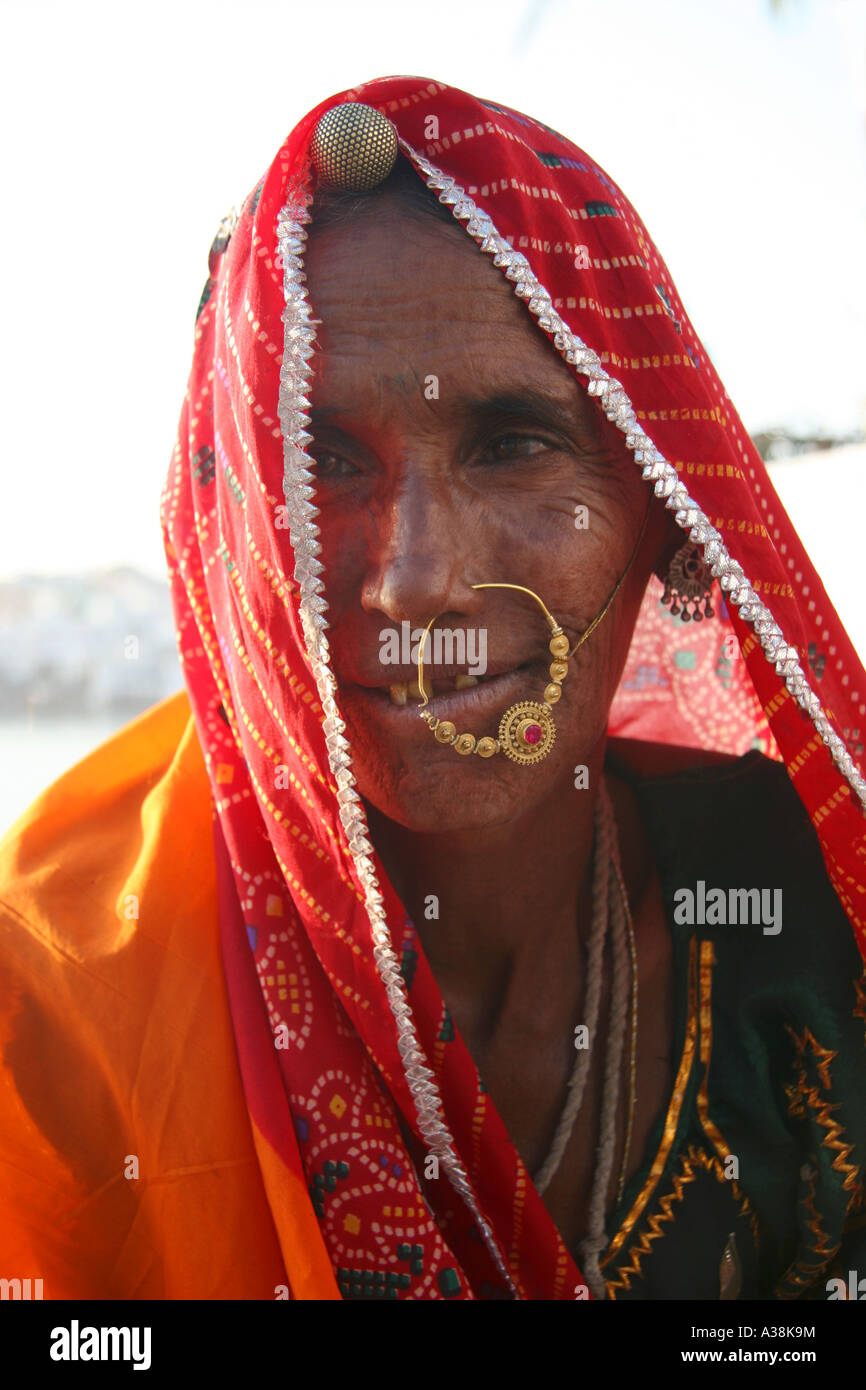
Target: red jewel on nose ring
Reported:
point(526, 731)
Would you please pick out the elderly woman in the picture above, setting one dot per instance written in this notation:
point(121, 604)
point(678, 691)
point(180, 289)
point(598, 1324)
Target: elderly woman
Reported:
point(484, 928)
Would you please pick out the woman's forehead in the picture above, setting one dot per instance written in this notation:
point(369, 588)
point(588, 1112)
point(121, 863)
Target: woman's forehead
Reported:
point(389, 263)
point(398, 300)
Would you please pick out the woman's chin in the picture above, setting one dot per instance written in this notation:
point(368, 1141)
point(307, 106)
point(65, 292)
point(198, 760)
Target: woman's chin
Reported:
point(438, 795)
point(428, 787)
point(440, 802)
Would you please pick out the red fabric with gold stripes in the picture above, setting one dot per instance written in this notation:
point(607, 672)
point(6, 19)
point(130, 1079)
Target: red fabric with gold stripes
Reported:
point(335, 1098)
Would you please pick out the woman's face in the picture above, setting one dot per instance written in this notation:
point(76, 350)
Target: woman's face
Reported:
point(454, 447)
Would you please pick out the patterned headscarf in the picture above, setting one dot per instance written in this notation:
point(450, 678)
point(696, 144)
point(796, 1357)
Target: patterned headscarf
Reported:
point(354, 1073)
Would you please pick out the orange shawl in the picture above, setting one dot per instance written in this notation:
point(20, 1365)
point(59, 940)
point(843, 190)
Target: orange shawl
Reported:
point(119, 1048)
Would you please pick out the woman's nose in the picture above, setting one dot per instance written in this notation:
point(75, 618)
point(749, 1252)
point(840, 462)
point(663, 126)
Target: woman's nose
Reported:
point(419, 566)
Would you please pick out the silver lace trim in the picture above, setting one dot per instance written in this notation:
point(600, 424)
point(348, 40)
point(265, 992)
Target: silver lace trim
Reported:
point(654, 467)
point(299, 490)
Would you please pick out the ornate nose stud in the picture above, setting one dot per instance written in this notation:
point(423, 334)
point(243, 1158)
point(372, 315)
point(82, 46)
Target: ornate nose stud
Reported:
point(526, 729)
point(354, 147)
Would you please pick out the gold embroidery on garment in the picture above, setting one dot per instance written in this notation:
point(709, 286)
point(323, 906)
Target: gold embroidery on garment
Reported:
point(804, 1270)
point(805, 1102)
point(562, 1259)
point(517, 1208)
point(671, 1119)
point(296, 748)
point(625, 1273)
point(692, 1163)
point(801, 1095)
point(708, 960)
point(712, 1131)
point(281, 585)
point(274, 654)
point(857, 1210)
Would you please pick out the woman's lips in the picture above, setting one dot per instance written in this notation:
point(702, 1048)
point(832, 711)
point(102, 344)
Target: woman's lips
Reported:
point(487, 700)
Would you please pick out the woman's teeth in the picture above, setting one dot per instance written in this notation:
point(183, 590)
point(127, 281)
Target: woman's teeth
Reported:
point(402, 689)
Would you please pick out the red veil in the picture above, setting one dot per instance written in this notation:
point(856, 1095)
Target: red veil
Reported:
point(371, 1081)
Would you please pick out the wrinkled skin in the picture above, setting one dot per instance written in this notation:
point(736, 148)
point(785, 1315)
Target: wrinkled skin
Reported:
point(420, 498)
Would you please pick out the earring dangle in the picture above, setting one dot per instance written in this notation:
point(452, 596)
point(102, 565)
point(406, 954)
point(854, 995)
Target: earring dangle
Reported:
point(688, 582)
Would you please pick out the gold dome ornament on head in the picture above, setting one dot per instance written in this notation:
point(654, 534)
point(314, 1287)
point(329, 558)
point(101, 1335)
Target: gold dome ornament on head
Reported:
point(354, 147)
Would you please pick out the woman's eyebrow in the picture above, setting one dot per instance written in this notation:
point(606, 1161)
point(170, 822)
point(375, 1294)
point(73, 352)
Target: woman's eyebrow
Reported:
point(523, 402)
point(527, 404)
point(324, 414)
point(524, 405)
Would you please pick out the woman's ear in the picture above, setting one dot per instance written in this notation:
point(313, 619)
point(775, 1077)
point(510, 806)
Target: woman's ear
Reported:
point(674, 537)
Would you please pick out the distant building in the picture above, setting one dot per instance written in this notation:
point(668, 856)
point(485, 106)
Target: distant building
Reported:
point(95, 643)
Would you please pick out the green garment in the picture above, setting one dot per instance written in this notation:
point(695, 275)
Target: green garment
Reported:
point(752, 1185)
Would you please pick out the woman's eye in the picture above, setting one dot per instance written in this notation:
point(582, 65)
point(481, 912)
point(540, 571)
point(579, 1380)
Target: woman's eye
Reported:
point(517, 446)
point(329, 465)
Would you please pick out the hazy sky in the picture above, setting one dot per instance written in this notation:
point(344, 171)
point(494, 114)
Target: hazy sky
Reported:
point(128, 131)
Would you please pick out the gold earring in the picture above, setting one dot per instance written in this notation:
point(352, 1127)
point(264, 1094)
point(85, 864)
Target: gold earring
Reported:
point(688, 581)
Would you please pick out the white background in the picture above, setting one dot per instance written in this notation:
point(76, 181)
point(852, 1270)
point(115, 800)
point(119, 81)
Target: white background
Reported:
point(735, 128)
